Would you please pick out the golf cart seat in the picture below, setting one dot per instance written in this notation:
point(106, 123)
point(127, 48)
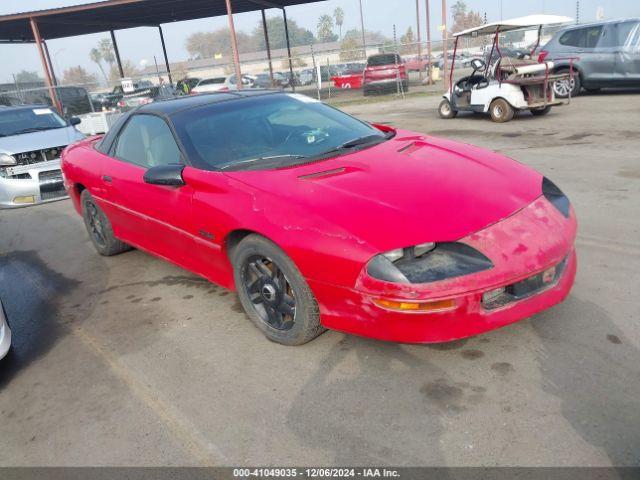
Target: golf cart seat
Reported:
point(466, 84)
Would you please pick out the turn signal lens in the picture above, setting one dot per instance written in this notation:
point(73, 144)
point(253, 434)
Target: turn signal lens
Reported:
point(22, 200)
point(433, 306)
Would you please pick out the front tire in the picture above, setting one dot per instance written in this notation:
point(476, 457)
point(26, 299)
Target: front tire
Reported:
point(273, 293)
point(99, 228)
point(501, 111)
point(445, 110)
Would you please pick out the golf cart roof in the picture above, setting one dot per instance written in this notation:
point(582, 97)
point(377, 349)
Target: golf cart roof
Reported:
point(514, 24)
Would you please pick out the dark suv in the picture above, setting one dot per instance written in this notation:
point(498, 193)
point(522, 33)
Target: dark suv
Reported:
point(607, 54)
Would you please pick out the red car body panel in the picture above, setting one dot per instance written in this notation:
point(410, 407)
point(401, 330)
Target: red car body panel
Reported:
point(381, 74)
point(331, 217)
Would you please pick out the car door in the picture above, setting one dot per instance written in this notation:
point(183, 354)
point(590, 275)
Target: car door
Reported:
point(627, 59)
point(153, 217)
point(594, 57)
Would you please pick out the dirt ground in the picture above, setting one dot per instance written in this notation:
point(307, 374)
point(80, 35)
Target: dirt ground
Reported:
point(131, 361)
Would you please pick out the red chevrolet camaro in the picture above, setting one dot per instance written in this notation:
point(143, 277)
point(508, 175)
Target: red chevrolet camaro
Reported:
point(320, 220)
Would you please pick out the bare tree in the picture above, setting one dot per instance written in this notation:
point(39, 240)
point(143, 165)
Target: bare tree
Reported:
point(78, 76)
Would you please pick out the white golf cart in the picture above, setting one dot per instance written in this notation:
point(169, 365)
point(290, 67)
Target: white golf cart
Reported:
point(504, 83)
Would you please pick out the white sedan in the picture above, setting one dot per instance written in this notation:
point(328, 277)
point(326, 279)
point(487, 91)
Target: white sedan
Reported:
point(220, 84)
point(5, 333)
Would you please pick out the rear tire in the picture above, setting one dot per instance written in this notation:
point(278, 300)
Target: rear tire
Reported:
point(99, 228)
point(540, 111)
point(501, 111)
point(561, 88)
point(273, 292)
point(445, 110)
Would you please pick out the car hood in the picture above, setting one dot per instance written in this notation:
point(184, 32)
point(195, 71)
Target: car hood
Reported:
point(408, 190)
point(27, 142)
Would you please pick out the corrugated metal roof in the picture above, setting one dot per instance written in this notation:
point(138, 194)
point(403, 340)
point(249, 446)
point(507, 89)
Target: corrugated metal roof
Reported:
point(118, 14)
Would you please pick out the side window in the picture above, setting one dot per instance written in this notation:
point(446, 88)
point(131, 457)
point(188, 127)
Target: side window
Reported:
point(147, 141)
point(581, 37)
point(627, 34)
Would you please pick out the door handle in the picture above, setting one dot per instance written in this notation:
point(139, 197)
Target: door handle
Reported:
point(107, 179)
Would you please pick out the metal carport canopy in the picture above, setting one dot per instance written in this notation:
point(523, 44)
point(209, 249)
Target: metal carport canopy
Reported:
point(120, 14)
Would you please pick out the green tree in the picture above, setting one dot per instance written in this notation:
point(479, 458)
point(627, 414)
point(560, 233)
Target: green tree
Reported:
point(24, 76)
point(338, 15)
point(208, 44)
point(325, 29)
point(275, 27)
point(407, 42)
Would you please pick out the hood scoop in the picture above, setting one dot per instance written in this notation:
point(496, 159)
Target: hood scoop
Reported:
point(324, 174)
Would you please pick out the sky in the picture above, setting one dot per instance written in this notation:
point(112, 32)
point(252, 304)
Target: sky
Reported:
point(142, 44)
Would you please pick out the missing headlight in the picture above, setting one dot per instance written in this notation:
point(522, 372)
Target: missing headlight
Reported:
point(555, 196)
point(444, 260)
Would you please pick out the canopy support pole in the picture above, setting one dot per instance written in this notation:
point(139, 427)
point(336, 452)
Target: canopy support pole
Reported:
point(45, 66)
point(164, 52)
point(445, 77)
point(234, 46)
point(419, 40)
point(53, 73)
point(364, 41)
point(453, 64)
point(286, 34)
point(117, 53)
point(266, 43)
point(429, 72)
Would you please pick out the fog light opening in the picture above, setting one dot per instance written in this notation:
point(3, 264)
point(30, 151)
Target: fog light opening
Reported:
point(25, 199)
point(422, 307)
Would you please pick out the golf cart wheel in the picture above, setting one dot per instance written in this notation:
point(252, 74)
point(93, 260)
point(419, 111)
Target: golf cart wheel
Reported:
point(563, 87)
point(274, 293)
point(501, 111)
point(99, 228)
point(541, 111)
point(445, 110)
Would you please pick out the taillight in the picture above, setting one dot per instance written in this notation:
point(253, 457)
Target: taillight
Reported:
point(121, 103)
point(224, 89)
point(542, 55)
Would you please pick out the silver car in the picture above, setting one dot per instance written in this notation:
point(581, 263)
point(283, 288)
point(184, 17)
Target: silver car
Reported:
point(606, 54)
point(31, 140)
point(5, 333)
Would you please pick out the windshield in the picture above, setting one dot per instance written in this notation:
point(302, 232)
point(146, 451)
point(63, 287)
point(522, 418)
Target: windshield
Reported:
point(254, 132)
point(385, 59)
point(26, 120)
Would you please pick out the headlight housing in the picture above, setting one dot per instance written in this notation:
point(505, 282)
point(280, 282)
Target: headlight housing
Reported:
point(7, 160)
point(555, 196)
point(428, 263)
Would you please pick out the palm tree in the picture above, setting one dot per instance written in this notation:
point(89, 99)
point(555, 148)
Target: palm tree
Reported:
point(106, 51)
point(96, 57)
point(338, 14)
point(325, 28)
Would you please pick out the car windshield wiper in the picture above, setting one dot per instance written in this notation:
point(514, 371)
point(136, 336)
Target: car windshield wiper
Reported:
point(368, 140)
point(36, 129)
point(272, 158)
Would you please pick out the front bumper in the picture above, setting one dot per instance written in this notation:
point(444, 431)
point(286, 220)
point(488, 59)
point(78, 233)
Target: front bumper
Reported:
point(5, 334)
point(32, 184)
point(524, 245)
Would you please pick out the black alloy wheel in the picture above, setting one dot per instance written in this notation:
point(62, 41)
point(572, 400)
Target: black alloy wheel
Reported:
point(270, 292)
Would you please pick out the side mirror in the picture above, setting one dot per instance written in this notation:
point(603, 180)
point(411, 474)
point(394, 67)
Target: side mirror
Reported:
point(75, 121)
point(169, 175)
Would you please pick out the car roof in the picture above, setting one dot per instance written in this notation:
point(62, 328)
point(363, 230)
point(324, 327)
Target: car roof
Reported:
point(174, 105)
point(5, 108)
point(602, 22)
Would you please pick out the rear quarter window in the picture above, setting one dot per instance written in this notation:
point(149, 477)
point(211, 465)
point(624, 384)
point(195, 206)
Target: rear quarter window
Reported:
point(379, 60)
point(581, 37)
